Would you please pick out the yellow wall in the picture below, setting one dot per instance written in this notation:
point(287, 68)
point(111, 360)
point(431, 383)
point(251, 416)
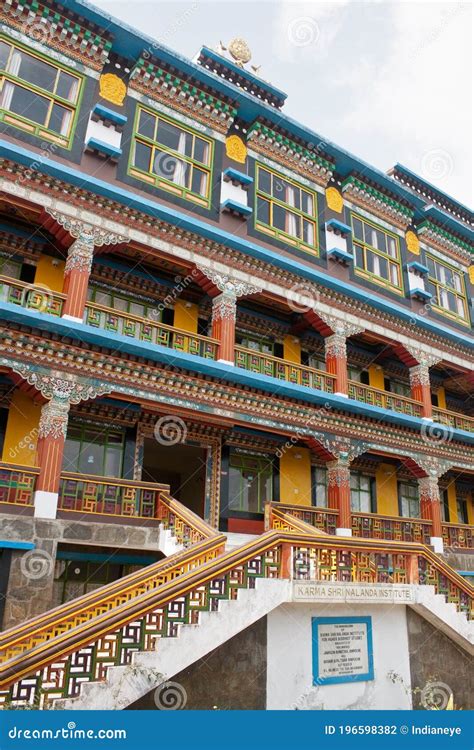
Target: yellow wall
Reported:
point(470, 509)
point(292, 349)
point(186, 316)
point(376, 377)
point(441, 398)
point(452, 504)
point(386, 488)
point(50, 273)
point(295, 476)
point(21, 434)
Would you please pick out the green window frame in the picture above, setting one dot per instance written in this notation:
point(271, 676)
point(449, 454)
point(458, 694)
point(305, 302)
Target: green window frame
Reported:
point(319, 487)
point(286, 209)
point(10, 268)
point(263, 346)
point(409, 500)
point(250, 482)
point(361, 492)
point(376, 254)
point(170, 156)
point(448, 288)
point(93, 450)
point(38, 96)
point(115, 300)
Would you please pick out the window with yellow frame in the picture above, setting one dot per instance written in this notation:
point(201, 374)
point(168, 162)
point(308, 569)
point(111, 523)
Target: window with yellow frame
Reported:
point(37, 95)
point(376, 254)
point(171, 157)
point(285, 210)
point(448, 289)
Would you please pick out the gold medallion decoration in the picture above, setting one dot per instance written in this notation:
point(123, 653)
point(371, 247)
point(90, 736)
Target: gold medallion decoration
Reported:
point(471, 274)
point(112, 88)
point(413, 243)
point(334, 199)
point(236, 149)
point(240, 51)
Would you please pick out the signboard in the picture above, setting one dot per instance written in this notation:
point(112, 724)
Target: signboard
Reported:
point(342, 650)
point(361, 593)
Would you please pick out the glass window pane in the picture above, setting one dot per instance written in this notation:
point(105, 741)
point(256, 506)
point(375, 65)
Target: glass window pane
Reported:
point(279, 217)
point(4, 52)
point(91, 459)
point(67, 86)
point(113, 462)
point(264, 181)
point(60, 119)
point(307, 203)
point(71, 455)
point(142, 156)
point(146, 124)
point(359, 256)
point(263, 210)
point(34, 71)
point(201, 150)
point(172, 137)
point(120, 303)
point(199, 181)
point(358, 229)
point(25, 103)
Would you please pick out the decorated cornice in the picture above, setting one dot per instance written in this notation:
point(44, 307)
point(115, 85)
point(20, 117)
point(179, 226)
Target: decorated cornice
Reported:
point(163, 237)
point(228, 284)
point(58, 385)
point(185, 392)
point(166, 86)
point(66, 34)
point(86, 232)
point(443, 240)
point(297, 156)
point(377, 202)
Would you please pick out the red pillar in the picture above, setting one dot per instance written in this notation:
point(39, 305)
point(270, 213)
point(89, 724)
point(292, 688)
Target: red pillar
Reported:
point(50, 450)
point(421, 388)
point(339, 495)
point(336, 361)
point(76, 276)
point(223, 325)
point(430, 507)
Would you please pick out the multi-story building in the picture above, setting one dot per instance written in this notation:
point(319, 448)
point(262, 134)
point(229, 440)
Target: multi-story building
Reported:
point(199, 292)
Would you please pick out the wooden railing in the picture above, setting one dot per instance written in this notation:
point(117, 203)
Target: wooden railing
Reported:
point(384, 399)
point(375, 526)
point(458, 536)
point(150, 331)
point(323, 519)
point(266, 364)
point(31, 296)
point(451, 418)
point(108, 496)
point(52, 655)
point(17, 484)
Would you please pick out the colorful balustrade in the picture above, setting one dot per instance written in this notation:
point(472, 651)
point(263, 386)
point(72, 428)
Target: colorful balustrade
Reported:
point(324, 519)
point(111, 497)
point(36, 297)
point(17, 484)
point(384, 399)
point(452, 419)
point(372, 526)
point(149, 331)
point(458, 536)
point(274, 367)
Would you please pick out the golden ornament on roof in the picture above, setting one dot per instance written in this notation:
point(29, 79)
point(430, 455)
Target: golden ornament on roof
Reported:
point(240, 50)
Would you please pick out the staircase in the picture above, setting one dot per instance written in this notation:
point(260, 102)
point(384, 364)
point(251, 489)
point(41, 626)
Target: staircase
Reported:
point(110, 647)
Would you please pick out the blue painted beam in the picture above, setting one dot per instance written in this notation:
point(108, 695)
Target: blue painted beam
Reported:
point(118, 343)
point(188, 222)
point(7, 544)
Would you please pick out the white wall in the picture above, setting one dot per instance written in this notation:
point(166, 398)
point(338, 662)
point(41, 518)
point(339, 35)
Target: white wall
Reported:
point(290, 659)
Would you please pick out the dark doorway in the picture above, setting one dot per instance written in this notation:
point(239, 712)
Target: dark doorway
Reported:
point(183, 467)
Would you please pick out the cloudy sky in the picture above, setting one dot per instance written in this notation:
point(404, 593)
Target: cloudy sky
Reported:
point(389, 81)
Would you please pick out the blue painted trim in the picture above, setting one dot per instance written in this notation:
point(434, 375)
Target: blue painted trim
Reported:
point(104, 148)
point(430, 186)
point(109, 114)
point(338, 226)
point(421, 294)
point(448, 222)
point(6, 544)
point(231, 205)
point(235, 176)
point(192, 363)
point(244, 73)
point(336, 252)
point(366, 676)
point(419, 267)
point(105, 557)
point(188, 222)
point(466, 573)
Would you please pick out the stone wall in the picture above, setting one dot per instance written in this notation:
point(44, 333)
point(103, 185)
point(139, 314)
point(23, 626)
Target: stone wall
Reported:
point(435, 658)
point(31, 582)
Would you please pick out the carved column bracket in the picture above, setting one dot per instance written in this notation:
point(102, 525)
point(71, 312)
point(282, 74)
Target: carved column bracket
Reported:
point(336, 350)
point(229, 284)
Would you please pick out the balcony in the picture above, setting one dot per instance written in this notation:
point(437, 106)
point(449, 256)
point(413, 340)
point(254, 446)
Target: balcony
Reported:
point(450, 418)
point(384, 399)
point(31, 296)
point(17, 486)
point(274, 367)
point(373, 526)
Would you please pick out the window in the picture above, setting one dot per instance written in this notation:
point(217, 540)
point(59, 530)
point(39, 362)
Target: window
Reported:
point(316, 361)
point(361, 492)
point(122, 303)
point(357, 374)
point(37, 96)
point(170, 157)
point(257, 345)
point(448, 290)
point(74, 577)
point(409, 497)
point(376, 254)
point(461, 506)
point(319, 487)
point(10, 268)
point(285, 209)
point(398, 387)
point(250, 482)
point(90, 450)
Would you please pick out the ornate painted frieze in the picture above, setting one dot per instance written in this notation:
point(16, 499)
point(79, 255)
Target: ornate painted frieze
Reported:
point(377, 202)
point(224, 306)
point(229, 284)
point(54, 418)
point(445, 241)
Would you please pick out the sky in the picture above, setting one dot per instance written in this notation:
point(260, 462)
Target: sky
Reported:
point(388, 81)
